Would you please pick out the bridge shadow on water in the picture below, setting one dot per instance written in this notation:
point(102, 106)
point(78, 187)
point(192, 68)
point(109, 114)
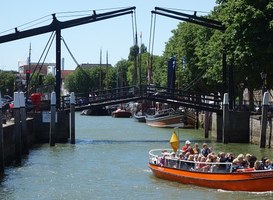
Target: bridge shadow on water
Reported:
point(87, 141)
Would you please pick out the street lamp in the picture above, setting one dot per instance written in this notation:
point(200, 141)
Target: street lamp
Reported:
point(263, 76)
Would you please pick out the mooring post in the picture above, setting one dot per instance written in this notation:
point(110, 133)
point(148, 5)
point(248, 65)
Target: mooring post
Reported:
point(264, 119)
point(206, 124)
point(2, 162)
point(206, 121)
point(17, 128)
point(72, 118)
point(24, 123)
point(226, 121)
point(52, 119)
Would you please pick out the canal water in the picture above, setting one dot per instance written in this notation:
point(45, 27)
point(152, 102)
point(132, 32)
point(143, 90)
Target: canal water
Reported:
point(110, 161)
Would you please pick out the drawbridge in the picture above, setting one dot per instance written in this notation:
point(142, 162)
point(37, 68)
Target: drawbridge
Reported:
point(194, 100)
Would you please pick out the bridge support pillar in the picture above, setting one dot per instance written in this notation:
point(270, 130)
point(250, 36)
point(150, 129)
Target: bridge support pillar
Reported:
point(2, 165)
point(17, 128)
point(264, 120)
point(52, 119)
point(72, 118)
point(207, 124)
point(197, 120)
point(226, 120)
point(219, 125)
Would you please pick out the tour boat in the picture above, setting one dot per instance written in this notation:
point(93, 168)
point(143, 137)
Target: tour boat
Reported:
point(169, 118)
point(167, 166)
point(121, 113)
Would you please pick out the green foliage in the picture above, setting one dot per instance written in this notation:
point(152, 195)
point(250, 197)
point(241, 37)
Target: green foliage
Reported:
point(88, 80)
point(7, 82)
point(49, 79)
point(249, 38)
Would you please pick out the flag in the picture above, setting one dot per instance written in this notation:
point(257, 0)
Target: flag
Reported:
point(174, 141)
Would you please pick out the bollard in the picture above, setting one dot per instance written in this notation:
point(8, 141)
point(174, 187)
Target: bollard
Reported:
point(264, 119)
point(226, 121)
point(52, 119)
point(23, 123)
point(17, 128)
point(2, 163)
point(72, 118)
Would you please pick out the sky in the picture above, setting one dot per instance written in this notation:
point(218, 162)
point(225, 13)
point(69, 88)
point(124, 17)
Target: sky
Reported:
point(114, 35)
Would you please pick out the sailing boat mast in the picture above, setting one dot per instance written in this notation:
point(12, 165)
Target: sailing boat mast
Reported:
point(107, 75)
point(100, 71)
point(27, 71)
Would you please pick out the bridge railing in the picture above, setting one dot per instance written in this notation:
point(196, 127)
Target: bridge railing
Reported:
point(150, 92)
point(100, 96)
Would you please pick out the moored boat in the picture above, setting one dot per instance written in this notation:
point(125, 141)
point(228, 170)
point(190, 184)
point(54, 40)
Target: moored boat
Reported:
point(169, 118)
point(140, 117)
point(120, 113)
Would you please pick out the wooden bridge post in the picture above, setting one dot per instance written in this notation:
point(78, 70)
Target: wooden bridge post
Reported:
point(226, 121)
point(264, 119)
point(72, 118)
point(17, 128)
point(206, 121)
point(197, 120)
point(207, 124)
point(24, 123)
point(52, 119)
point(2, 163)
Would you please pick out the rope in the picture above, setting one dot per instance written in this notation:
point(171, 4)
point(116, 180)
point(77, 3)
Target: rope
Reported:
point(50, 38)
point(40, 67)
point(195, 80)
point(70, 52)
point(151, 47)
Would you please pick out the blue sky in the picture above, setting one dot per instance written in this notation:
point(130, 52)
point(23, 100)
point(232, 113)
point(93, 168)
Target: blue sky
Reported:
point(114, 35)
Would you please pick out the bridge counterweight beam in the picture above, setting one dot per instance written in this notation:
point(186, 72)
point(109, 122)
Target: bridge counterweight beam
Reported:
point(58, 67)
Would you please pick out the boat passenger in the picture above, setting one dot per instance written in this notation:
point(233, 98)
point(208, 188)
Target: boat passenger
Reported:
point(172, 160)
point(258, 165)
point(205, 150)
point(235, 165)
point(222, 159)
point(196, 149)
point(213, 167)
point(191, 164)
point(263, 161)
point(200, 166)
point(252, 161)
point(187, 147)
point(241, 159)
point(247, 158)
point(229, 157)
point(268, 165)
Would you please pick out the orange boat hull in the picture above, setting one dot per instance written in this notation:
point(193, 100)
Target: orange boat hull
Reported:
point(258, 181)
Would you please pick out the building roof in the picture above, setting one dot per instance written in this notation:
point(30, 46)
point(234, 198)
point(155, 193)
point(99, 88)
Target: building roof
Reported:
point(65, 73)
point(87, 65)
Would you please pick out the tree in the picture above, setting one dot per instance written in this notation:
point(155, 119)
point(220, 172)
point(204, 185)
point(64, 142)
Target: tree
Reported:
point(49, 79)
point(7, 82)
point(124, 73)
point(248, 39)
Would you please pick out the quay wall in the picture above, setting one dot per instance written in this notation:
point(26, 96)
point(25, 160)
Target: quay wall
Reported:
point(251, 132)
point(37, 133)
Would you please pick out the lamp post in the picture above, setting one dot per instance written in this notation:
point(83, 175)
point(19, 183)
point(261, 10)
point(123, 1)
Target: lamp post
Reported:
point(263, 76)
